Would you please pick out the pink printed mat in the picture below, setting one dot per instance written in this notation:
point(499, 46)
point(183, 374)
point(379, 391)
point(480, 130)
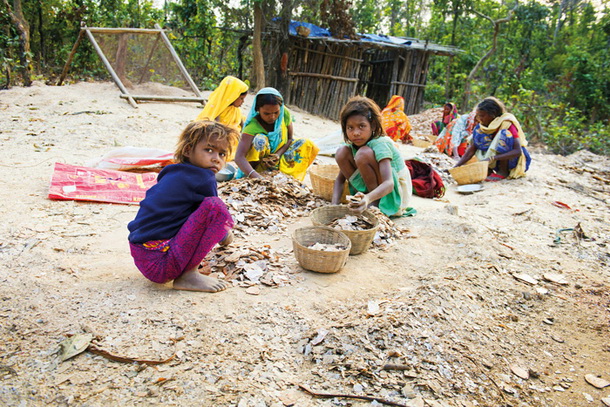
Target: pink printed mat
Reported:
point(71, 182)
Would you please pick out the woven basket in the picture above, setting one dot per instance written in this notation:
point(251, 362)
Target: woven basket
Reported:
point(470, 173)
point(361, 239)
point(421, 143)
point(323, 181)
point(320, 260)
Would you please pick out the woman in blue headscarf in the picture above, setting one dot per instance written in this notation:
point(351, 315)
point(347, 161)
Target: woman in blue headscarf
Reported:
point(267, 143)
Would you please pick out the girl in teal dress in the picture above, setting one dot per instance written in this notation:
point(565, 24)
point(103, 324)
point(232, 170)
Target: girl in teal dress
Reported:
point(370, 162)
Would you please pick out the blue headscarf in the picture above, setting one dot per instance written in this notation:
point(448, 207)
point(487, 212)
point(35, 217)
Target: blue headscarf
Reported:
point(276, 135)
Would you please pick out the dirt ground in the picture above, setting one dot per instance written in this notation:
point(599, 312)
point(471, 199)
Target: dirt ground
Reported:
point(442, 317)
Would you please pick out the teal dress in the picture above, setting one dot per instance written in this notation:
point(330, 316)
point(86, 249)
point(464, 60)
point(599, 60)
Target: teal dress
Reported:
point(396, 202)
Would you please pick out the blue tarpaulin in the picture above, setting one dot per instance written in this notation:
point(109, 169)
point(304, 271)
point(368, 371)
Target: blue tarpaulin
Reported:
point(315, 31)
point(384, 38)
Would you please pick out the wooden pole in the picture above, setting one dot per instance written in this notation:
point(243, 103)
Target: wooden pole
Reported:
point(324, 76)
point(331, 55)
point(116, 79)
point(185, 73)
point(394, 79)
point(105, 30)
point(408, 84)
point(448, 90)
point(70, 57)
point(164, 98)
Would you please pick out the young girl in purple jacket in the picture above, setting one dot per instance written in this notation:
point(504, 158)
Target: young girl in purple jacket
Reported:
point(181, 218)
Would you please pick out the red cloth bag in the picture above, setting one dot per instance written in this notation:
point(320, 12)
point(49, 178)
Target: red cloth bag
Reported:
point(426, 181)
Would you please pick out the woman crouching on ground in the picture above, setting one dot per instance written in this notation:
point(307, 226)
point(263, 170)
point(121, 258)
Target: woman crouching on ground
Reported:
point(499, 139)
point(267, 140)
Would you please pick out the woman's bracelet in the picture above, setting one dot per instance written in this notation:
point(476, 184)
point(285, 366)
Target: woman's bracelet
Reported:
point(250, 173)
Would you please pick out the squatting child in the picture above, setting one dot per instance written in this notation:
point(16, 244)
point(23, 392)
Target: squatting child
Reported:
point(181, 218)
point(370, 161)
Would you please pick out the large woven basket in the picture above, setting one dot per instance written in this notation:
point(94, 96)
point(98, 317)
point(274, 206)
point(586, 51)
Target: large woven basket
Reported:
point(323, 181)
point(361, 239)
point(470, 173)
point(320, 260)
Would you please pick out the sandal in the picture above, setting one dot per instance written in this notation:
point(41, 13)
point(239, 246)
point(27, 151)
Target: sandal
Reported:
point(495, 178)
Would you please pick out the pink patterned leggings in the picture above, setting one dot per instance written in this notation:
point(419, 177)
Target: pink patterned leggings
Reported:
point(207, 226)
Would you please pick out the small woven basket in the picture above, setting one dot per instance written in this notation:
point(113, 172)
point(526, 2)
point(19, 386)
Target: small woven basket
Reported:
point(361, 239)
point(470, 173)
point(323, 181)
point(320, 260)
point(421, 143)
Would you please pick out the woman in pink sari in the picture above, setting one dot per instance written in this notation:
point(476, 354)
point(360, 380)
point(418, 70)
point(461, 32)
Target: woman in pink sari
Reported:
point(450, 113)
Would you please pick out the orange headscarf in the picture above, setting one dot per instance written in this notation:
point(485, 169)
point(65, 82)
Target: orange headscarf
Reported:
point(394, 120)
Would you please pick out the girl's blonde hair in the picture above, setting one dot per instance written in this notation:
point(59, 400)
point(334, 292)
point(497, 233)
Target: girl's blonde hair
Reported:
point(362, 106)
point(204, 130)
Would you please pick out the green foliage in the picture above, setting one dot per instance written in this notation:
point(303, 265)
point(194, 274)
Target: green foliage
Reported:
point(563, 129)
point(553, 73)
point(435, 94)
point(208, 53)
point(367, 15)
point(8, 46)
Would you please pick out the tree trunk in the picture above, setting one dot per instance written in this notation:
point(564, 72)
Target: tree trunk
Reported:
point(257, 51)
point(43, 51)
point(456, 16)
point(243, 41)
point(479, 64)
point(23, 28)
point(559, 22)
point(448, 87)
point(565, 6)
point(284, 49)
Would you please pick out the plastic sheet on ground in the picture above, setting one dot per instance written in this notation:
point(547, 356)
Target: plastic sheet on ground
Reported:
point(126, 158)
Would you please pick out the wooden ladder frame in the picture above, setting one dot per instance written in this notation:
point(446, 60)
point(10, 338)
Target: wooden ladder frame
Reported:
point(132, 99)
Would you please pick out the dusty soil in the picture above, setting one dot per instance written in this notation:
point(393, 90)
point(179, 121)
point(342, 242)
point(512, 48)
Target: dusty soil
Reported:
point(441, 318)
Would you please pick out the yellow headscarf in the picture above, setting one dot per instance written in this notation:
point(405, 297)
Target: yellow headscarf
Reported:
point(503, 123)
point(220, 103)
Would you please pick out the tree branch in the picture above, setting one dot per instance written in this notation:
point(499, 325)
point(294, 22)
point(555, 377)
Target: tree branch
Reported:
point(489, 53)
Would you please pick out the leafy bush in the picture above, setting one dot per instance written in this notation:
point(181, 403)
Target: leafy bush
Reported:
point(563, 129)
point(435, 93)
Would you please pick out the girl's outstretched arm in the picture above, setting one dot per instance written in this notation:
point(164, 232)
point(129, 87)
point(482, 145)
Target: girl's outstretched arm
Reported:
point(286, 146)
point(240, 156)
point(514, 153)
point(468, 154)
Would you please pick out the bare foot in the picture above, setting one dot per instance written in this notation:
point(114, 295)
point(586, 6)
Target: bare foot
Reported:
point(227, 240)
point(192, 280)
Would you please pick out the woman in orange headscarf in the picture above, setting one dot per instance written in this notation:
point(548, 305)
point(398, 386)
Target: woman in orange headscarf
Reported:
point(224, 103)
point(394, 120)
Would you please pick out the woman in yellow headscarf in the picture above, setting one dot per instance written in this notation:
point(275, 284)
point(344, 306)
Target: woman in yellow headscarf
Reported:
point(224, 103)
point(394, 120)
